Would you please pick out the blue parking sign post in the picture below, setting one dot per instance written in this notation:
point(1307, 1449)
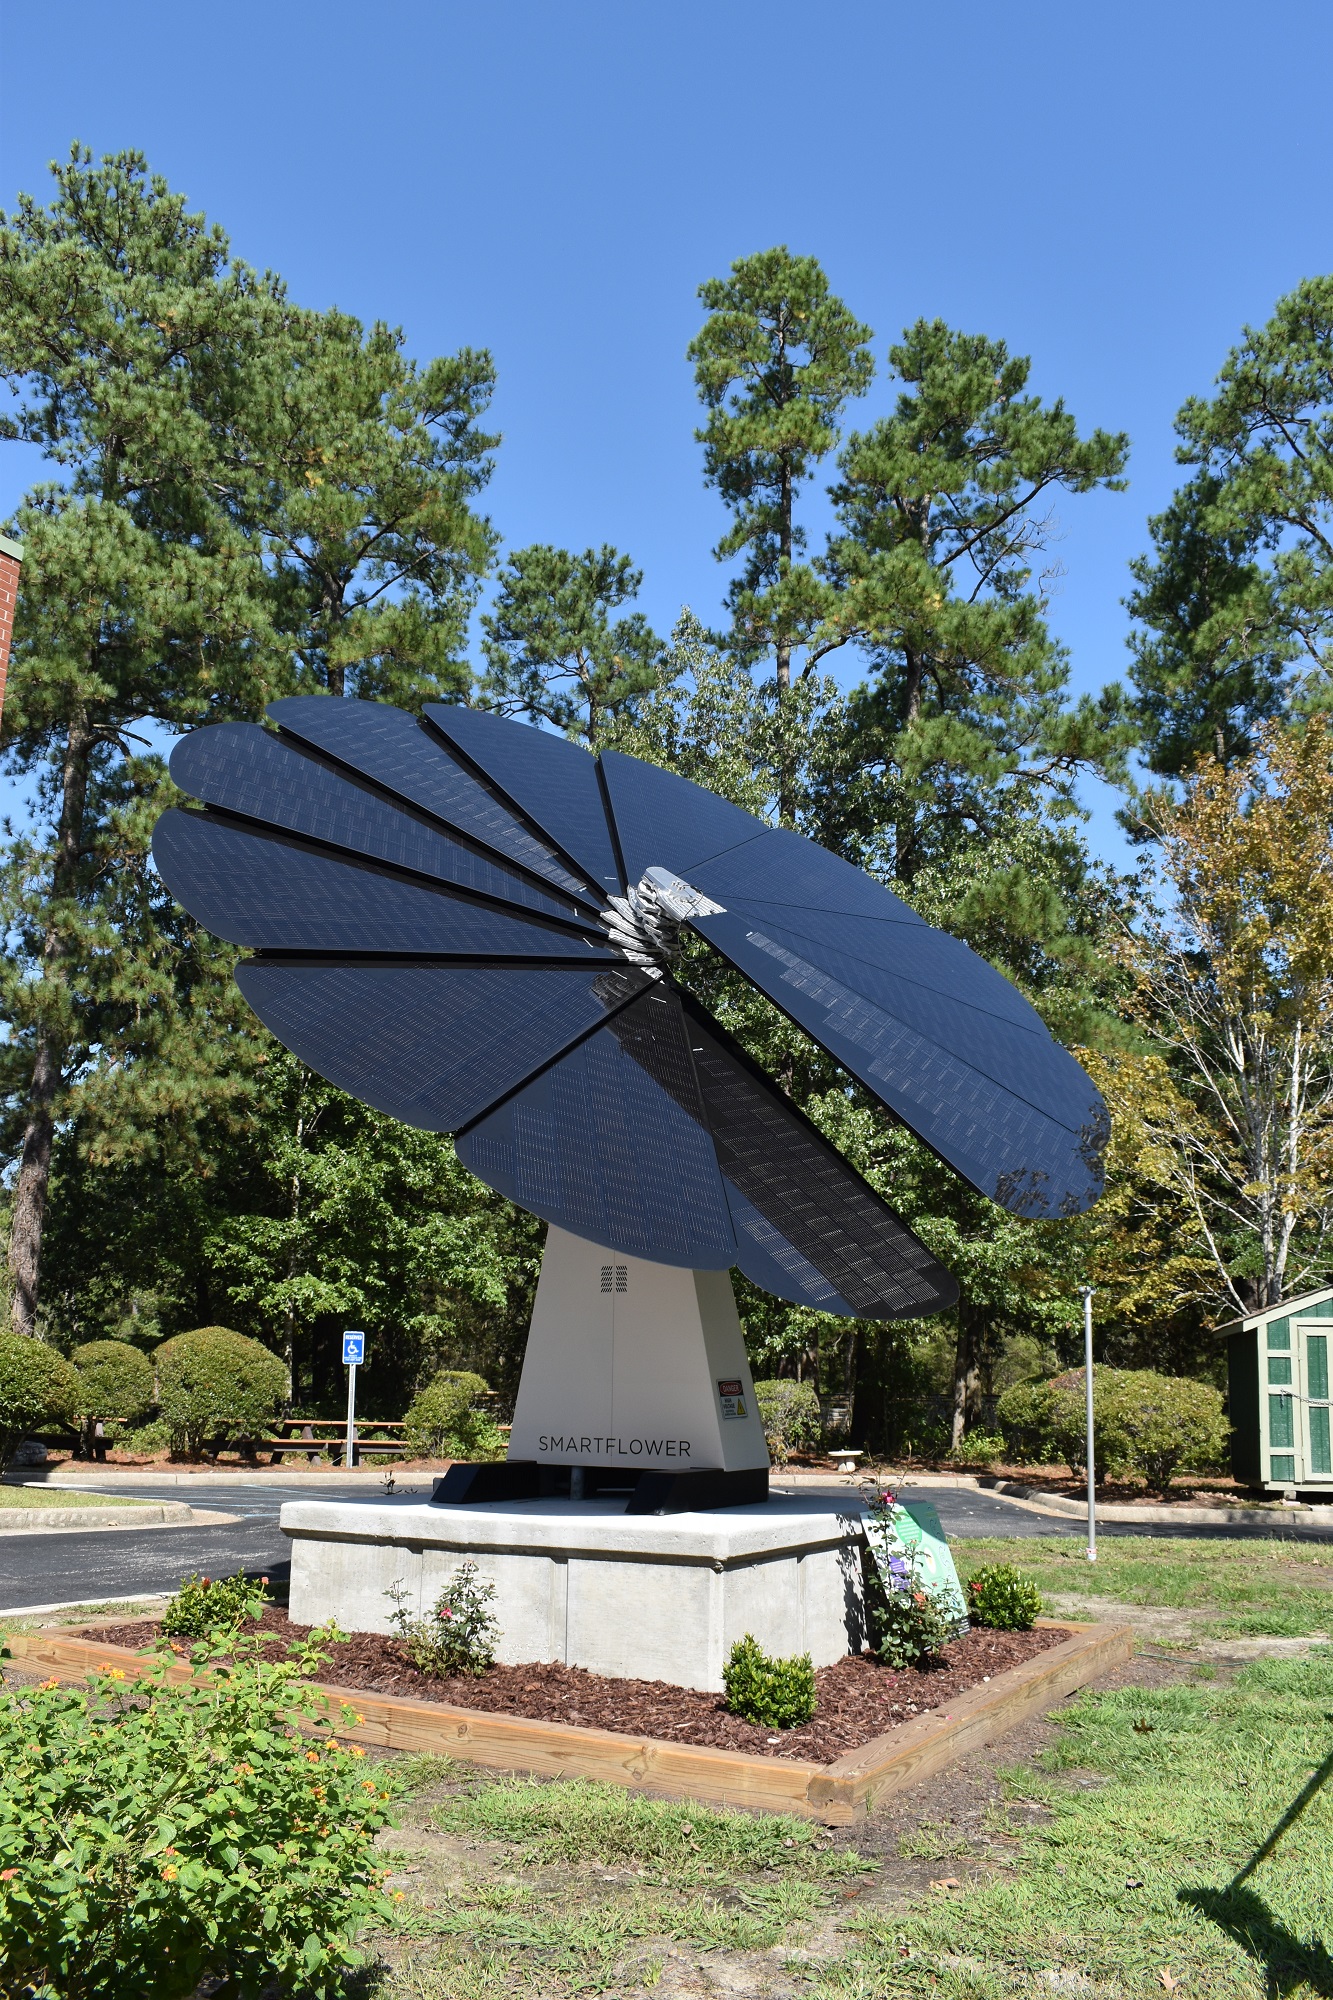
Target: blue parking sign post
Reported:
point(354, 1353)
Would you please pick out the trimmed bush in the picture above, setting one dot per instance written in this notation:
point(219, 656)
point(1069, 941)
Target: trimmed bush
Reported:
point(1004, 1598)
point(154, 1837)
point(1167, 1422)
point(1145, 1422)
point(214, 1385)
point(115, 1383)
point(789, 1413)
point(779, 1694)
point(37, 1387)
point(983, 1448)
point(205, 1604)
point(442, 1422)
point(146, 1440)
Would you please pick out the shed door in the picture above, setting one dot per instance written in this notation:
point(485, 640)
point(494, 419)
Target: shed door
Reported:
point(1315, 1355)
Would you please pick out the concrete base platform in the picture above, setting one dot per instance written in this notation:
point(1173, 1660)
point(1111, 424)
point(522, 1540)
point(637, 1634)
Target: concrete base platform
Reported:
point(645, 1597)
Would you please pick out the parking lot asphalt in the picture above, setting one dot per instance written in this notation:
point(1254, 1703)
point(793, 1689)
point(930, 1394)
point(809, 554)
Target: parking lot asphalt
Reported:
point(86, 1567)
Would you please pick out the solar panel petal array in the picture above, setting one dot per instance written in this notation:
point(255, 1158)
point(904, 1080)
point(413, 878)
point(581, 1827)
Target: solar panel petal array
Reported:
point(429, 901)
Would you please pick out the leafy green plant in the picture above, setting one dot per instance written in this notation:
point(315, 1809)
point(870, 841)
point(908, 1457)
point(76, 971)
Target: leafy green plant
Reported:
point(37, 1387)
point(443, 1423)
point(206, 1604)
point(461, 1632)
point(1144, 1422)
point(983, 1448)
point(115, 1383)
point(214, 1384)
point(789, 1412)
point(1003, 1597)
point(779, 1694)
point(147, 1440)
point(152, 1834)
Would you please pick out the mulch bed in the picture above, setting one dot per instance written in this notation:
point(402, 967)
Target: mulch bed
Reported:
point(858, 1698)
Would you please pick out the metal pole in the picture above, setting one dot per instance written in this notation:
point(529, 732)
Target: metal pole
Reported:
point(1092, 1447)
point(349, 1453)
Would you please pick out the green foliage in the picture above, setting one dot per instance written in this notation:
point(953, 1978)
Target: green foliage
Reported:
point(1027, 1419)
point(778, 1694)
point(443, 1423)
point(774, 363)
point(789, 1412)
point(553, 651)
point(907, 1626)
point(979, 1448)
point(147, 1440)
point(115, 1381)
point(460, 1634)
point(1003, 1597)
point(153, 1834)
point(37, 1387)
point(1235, 604)
point(214, 1384)
point(204, 1605)
point(1143, 1422)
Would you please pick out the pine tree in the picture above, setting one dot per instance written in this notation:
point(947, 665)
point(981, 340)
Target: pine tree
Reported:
point(127, 333)
point(553, 650)
point(1235, 605)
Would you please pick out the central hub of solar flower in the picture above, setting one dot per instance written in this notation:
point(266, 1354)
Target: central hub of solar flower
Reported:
point(646, 923)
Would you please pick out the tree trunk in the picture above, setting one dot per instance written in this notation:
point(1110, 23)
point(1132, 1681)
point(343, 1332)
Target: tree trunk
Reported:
point(34, 1176)
point(967, 1370)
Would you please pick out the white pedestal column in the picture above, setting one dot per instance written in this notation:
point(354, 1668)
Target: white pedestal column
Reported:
point(635, 1366)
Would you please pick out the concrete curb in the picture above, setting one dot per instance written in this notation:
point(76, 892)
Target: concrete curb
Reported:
point(74, 1520)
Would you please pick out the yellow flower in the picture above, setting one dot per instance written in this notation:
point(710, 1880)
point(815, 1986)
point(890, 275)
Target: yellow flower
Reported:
point(356, 1750)
point(245, 1770)
point(169, 1873)
point(312, 1756)
point(47, 1685)
point(367, 1784)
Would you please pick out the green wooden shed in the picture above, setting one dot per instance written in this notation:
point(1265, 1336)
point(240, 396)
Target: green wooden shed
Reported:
point(1278, 1376)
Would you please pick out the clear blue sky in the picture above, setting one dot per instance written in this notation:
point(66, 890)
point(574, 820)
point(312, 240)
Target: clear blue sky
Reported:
point(1113, 190)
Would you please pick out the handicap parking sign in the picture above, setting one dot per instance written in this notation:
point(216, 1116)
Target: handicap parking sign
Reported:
point(354, 1349)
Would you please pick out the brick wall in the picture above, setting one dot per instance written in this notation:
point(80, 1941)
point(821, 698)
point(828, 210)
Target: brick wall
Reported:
point(10, 557)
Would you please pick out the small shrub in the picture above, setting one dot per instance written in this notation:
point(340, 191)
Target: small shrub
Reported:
point(157, 1836)
point(147, 1440)
point(461, 1632)
point(37, 1387)
point(214, 1385)
point(789, 1413)
point(1004, 1598)
point(206, 1604)
point(779, 1694)
point(983, 1448)
point(442, 1422)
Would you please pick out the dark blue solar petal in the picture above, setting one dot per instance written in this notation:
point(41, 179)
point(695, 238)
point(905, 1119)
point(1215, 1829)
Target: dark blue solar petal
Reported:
point(925, 960)
point(551, 780)
point(390, 747)
point(1034, 1159)
point(601, 1144)
point(783, 867)
point(666, 821)
point(249, 770)
point(432, 1045)
point(808, 1227)
point(275, 896)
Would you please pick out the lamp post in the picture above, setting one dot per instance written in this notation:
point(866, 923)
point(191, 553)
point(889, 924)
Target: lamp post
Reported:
point(1091, 1447)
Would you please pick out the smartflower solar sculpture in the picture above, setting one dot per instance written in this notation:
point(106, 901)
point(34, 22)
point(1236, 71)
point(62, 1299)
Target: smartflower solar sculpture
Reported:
point(471, 924)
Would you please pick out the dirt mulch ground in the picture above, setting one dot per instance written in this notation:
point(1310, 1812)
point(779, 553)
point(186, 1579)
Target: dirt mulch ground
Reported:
point(858, 1698)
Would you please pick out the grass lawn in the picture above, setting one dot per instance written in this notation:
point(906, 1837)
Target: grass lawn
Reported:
point(1172, 1838)
point(54, 1496)
point(1234, 1588)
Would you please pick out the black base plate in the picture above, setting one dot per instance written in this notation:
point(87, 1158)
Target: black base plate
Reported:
point(698, 1490)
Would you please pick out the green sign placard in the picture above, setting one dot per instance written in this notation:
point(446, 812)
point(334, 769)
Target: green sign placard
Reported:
point(916, 1531)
